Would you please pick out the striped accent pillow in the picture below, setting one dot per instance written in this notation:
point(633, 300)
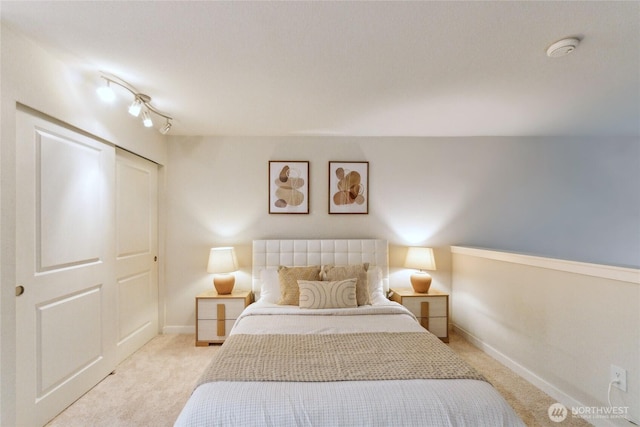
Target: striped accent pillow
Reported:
point(323, 294)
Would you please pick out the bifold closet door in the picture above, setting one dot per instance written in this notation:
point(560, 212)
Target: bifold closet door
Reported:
point(65, 293)
point(136, 251)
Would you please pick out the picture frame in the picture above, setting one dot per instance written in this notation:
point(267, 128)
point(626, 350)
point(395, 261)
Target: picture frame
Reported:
point(348, 187)
point(288, 187)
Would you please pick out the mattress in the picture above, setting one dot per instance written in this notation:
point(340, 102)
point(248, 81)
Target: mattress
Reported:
point(406, 402)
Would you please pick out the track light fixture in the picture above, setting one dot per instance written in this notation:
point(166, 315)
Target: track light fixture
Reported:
point(141, 102)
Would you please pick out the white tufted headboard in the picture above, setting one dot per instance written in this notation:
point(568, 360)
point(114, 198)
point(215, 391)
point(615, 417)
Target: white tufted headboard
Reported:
point(273, 253)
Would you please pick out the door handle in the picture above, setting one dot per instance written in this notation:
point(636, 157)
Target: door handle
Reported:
point(19, 290)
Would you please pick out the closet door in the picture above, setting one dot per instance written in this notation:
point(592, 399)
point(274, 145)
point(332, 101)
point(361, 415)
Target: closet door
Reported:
point(66, 294)
point(136, 251)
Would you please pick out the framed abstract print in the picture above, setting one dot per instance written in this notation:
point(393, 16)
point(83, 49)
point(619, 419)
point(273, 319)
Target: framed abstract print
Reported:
point(288, 187)
point(348, 187)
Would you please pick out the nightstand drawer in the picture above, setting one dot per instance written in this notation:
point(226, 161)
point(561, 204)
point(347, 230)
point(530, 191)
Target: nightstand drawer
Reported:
point(438, 326)
point(208, 308)
point(208, 330)
point(437, 305)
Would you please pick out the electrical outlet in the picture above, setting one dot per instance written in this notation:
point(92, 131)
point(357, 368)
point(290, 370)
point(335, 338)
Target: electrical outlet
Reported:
point(617, 373)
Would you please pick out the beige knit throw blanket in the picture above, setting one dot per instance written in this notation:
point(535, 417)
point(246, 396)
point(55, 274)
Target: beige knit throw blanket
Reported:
point(336, 357)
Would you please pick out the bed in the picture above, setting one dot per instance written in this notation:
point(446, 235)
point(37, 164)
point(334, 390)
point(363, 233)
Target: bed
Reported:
point(330, 349)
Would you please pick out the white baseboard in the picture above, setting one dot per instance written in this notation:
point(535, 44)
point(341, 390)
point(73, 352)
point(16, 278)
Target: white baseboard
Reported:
point(525, 373)
point(179, 330)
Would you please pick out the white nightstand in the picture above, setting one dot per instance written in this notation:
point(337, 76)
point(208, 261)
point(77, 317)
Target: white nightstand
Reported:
point(431, 309)
point(215, 314)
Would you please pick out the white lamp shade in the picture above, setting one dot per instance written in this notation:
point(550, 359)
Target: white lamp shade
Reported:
point(420, 259)
point(222, 260)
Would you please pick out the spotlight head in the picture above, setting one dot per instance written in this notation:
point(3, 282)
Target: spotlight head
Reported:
point(146, 119)
point(106, 93)
point(135, 107)
point(166, 128)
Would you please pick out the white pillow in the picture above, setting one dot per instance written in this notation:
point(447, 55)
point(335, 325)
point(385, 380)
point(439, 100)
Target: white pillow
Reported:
point(324, 294)
point(376, 285)
point(269, 285)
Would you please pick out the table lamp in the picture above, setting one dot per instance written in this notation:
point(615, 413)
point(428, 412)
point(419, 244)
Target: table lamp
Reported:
point(420, 259)
point(222, 263)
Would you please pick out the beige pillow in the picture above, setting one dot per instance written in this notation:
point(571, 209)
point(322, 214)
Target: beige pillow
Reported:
point(322, 294)
point(342, 272)
point(289, 276)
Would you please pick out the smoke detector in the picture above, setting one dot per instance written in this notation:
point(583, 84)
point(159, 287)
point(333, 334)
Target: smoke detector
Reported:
point(562, 47)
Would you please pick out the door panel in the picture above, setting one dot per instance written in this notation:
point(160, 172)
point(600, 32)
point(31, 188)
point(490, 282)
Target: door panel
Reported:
point(134, 202)
point(58, 318)
point(68, 201)
point(65, 319)
point(132, 293)
point(137, 248)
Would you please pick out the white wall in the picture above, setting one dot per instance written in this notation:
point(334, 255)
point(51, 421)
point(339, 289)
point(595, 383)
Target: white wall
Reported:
point(33, 77)
point(559, 324)
point(572, 199)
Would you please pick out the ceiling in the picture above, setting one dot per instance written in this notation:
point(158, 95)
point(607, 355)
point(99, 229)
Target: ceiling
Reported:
point(359, 68)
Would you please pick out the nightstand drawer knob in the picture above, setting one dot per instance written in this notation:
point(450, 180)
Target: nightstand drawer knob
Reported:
point(424, 309)
point(221, 317)
point(424, 314)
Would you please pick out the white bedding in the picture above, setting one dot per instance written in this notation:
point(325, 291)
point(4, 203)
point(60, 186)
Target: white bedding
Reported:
point(267, 318)
point(345, 403)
